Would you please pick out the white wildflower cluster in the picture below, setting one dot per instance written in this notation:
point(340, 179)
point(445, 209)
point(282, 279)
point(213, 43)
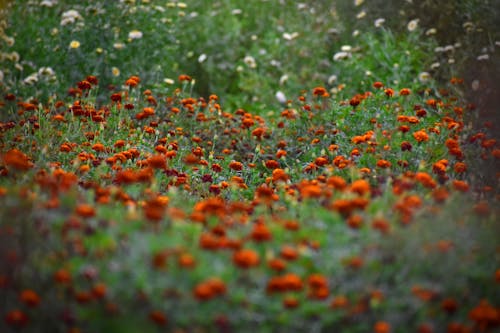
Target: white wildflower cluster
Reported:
point(413, 25)
point(71, 17)
point(290, 36)
point(345, 53)
point(250, 61)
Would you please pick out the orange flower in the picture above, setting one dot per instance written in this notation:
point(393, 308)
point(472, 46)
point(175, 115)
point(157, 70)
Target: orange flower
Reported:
point(290, 302)
point(16, 160)
point(237, 166)
point(186, 260)
point(320, 91)
point(246, 258)
point(485, 316)
point(339, 302)
point(360, 187)
point(404, 92)
point(421, 136)
point(85, 210)
point(154, 209)
point(157, 161)
point(289, 253)
point(261, 233)
point(279, 175)
point(16, 318)
point(277, 264)
point(158, 317)
point(382, 327)
point(29, 297)
point(425, 179)
point(383, 164)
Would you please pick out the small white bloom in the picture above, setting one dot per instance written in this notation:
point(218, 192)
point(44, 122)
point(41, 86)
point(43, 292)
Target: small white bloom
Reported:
point(118, 46)
point(431, 31)
point(439, 49)
point(250, 61)
point(358, 2)
point(332, 79)
point(435, 65)
point(115, 71)
point(413, 24)
point(424, 77)
point(275, 63)
point(361, 14)
point(168, 81)
point(48, 3)
point(291, 36)
point(368, 73)
point(483, 57)
point(181, 5)
point(475, 85)
point(31, 79)
point(70, 17)
point(236, 11)
point(355, 33)
point(135, 34)
point(341, 56)
point(451, 61)
point(379, 22)
point(448, 48)
point(283, 79)
point(1, 76)
point(46, 71)
point(280, 97)
point(202, 58)
point(346, 48)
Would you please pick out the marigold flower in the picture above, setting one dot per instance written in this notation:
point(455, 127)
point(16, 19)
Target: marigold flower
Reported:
point(382, 327)
point(290, 302)
point(16, 318)
point(235, 165)
point(16, 160)
point(85, 210)
point(246, 258)
point(261, 233)
point(360, 187)
point(158, 317)
point(279, 175)
point(421, 136)
point(289, 253)
point(339, 302)
point(29, 297)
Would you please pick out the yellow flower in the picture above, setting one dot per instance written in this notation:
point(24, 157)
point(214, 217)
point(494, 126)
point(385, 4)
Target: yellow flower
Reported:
point(115, 71)
point(74, 44)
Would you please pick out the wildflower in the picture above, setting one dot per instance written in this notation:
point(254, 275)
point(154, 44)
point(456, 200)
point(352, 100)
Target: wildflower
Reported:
point(74, 44)
point(85, 211)
point(16, 318)
point(135, 34)
point(424, 77)
point(246, 258)
point(342, 55)
point(379, 22)
point(280, 97)
point(290, 302)
point(360, 187)
point(158, 317)
point(16, 160)
point(237, 166)
point(382, 327)
point(250, 61)
point(485, 316)
point(29, 297)
point(320, 91)
point(413, 24)
point(115, 71)
point(70, 17)
point(421, 136)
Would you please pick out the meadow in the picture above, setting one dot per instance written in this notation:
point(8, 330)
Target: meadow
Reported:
point(238, 166)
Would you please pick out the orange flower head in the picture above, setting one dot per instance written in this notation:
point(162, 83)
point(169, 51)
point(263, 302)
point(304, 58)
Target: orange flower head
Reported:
point(246, 258)
point(30, 298)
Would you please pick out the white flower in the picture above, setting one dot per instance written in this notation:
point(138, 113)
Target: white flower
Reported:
point(413, 24)
point(46, 71)
point(202, 58)
point(118, 46)
point(168, 80)
point(135, 34)
point(250, 61)
point(236, 11)
point(475, 85)
point(355, 33)
point(379, 22)
point(424, 77)
point(31, 79)
point(1, 76)
point(435, 65)
point(361, 14)
point(332, 79)
point(483, 57)
point(431, 31)
point(48, 3)
point(341, 56)
point(181, 5)
point(346, 48)
point(283, 79)
point(115, 71)
point(70, 17)
point(280, 97)
point(291, 36)
point(358, 2)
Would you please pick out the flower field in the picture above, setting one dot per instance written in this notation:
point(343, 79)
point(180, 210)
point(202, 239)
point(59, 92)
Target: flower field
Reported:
point(145, 188)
